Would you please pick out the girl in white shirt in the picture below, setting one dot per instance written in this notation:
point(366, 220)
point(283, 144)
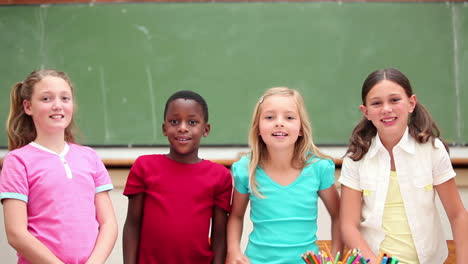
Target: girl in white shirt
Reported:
point(394, 164)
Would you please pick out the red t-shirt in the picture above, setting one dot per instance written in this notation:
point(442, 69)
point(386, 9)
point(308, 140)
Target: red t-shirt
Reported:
point(178, 206)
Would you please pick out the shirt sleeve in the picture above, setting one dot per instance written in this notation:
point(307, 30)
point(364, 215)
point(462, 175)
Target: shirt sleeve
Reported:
point(350, 174)
point(442, 169)
point(241, 175)
point(135, 183)
point(102, 180)
point(224, 191)
point(14, 179)
point(327, 174)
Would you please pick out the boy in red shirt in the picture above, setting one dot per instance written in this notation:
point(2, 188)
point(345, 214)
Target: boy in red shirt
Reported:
point(173, 197)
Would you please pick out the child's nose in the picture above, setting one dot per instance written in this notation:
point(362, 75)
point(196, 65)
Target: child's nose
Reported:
point(183, 126)
point(279, 122)
point(387, 108)
point(56, 105)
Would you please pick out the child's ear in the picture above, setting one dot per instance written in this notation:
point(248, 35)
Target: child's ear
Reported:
point(363, 109)
point(27, 107)
point(206, 130)
point(164, 129)
point(413, 100)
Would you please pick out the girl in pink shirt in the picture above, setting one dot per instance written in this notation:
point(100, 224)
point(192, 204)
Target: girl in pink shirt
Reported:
point(54, 192)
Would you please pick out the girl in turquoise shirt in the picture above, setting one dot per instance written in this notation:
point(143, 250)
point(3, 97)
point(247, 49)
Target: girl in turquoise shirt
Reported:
point(282, 177)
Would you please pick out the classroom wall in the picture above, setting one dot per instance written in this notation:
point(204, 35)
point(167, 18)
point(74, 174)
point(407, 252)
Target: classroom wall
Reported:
point(125, 59)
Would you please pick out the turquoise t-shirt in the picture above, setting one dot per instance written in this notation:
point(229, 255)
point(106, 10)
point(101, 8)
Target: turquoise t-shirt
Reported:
point(285, 221)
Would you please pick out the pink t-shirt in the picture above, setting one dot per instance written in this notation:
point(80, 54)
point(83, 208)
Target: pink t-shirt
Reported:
point(59, 190)
point(178, 206)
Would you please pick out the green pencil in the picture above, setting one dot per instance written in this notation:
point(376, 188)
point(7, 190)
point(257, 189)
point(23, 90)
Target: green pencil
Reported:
point(337, 257)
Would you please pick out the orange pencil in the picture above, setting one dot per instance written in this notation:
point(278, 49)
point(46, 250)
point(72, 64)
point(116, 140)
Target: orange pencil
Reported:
point(347, 255)
point(314, 257)
point(329, 253)
point(380, 257)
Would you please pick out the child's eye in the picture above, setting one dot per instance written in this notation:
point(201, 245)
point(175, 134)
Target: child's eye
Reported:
point(66, 98)
point(375, 103)
point(192, 122)
point(268, 117)
point(45, 99)
point(395, 100)
point(291, 118)
point(173, 122)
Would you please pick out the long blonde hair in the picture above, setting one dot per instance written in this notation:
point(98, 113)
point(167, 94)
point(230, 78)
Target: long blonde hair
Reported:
point(20, 126)
point(304, 147)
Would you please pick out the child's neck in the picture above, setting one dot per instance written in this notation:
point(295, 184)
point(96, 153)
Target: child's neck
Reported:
point(190, 158)
point(279, 159)
point(278, 166)
point(390, 141)
point(55, 143)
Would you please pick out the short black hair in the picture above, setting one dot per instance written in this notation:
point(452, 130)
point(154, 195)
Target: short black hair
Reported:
point(188, 95)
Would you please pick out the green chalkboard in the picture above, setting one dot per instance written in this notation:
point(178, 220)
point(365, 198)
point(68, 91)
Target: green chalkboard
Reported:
point(126, 59)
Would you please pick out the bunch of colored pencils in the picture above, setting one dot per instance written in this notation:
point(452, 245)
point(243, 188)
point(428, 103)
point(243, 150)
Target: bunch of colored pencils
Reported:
point(310, 258)
point(352, 257)
point(387, 259)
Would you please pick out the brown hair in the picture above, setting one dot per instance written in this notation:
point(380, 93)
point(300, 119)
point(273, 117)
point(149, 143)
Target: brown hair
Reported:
point(20, 126)
point(421, 126)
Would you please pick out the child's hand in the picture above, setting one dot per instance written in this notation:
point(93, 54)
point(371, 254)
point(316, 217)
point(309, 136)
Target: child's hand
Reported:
point(236, 258)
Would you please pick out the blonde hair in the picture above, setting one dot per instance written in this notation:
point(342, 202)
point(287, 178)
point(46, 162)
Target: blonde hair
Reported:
point(304, 147)
point(20, 126)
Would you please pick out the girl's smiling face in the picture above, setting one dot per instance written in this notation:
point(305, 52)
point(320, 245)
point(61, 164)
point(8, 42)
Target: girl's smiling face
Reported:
point(280, 123)
point(51, 105)
point(388, 107)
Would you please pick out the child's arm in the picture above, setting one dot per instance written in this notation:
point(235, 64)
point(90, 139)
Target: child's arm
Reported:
point(218, 235)
point(234, 229)
point(16, 228)
point(458, 217)
point(132, 228)
point(331, 200)
point(107, 229)
point(350, 212)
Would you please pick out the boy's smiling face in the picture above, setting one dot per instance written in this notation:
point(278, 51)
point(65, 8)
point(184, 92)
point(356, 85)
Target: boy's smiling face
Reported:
point(184, 125)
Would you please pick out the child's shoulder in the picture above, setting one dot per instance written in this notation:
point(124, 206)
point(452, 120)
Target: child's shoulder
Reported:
point(26, 152)
point(18, 151)
point(431, 143)
point(14, 156)
point(214, 165)
point(152, 158)
point(240, 168)
point(431, 147)
point(317, 163)
point(78, 151)
point(241, 164)
point(82, 148)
